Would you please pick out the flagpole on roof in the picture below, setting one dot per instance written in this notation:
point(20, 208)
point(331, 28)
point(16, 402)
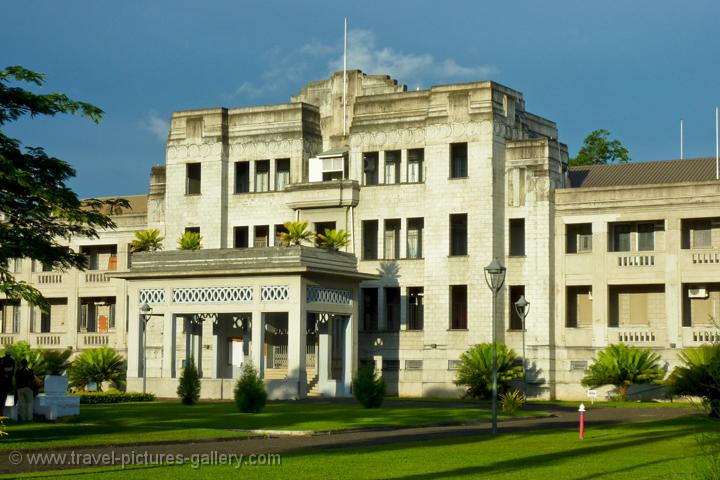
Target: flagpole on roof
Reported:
point(681, 139)
point(717, 147)
point(345, 80)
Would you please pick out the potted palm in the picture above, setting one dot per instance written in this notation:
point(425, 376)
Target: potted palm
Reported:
point(56, 363)
point(190, 241)
point(147, 241)
point(295, 234)
point(333, 239)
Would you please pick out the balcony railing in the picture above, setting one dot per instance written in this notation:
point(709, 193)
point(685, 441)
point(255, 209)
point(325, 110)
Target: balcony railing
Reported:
point(47, 339)
point(700, 335)
point(705, 257)
point(96, 277)
point(93, 339)
point(632, 335)
point(7, 339)
point(50, 278)
point(636, 260)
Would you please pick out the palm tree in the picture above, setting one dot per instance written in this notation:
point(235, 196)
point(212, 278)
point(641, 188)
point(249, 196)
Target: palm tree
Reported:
point(333, 239)
point(97, 366)
point(699, 376)
point(475, 370)
point(147, 241)
point(295, 234)
point(621, 365)
point(190, 241)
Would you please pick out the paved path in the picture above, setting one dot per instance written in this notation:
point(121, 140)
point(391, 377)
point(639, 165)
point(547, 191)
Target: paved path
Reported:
point(562, 418)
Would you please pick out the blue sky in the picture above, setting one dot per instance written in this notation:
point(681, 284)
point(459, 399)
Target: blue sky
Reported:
point(635, 68)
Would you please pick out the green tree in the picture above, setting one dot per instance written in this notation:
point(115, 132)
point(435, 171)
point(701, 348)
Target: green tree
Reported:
point(41, 213)
point(296, 233)
point(598, 149)
point(250, 395)
point(189, 385)
point(190, 241)
point(97, 365)
point(475, 370)
point(369, 388)
point(699, 376)
point(146, 241)
point(333, 239)
point(621, 365)
point(57, 361)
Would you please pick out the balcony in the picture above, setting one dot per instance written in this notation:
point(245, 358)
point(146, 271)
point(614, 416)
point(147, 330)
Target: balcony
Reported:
point(48, 278)
point(333, 193)
point(46, 340)
point(640, 335)
point(695, 336)
point(635, 267)
point(96, 277)
point(8, 338)
point(90, 340)
point(635, 260)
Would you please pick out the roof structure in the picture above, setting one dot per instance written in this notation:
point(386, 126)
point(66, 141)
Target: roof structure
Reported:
point(643, 173)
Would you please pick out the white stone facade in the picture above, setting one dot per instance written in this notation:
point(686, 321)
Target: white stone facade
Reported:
point(492, 182)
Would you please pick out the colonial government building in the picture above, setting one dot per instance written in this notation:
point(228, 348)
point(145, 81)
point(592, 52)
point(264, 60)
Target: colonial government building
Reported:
point(431, 185)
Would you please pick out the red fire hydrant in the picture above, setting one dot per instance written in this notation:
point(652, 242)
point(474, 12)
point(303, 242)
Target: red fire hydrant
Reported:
point(582, 421)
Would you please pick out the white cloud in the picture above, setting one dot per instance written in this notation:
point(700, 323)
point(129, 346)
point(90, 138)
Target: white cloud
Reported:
point(156, 125)
point(363, 53)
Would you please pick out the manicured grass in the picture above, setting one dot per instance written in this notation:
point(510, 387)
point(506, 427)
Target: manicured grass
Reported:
point(135, 422)
point(647, 450)
point(618, 404)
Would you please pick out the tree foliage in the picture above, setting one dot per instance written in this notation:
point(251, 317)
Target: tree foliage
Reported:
point(57, 361)
point(190, 241)
point(98, 365)
point(333, 239)
point(699, 376)
point(39, 212)
point(296, 233)
point(146, 241)
point(189, 385)
point(475, 370)
point(621, 365)
point(369, 388)
point(250, 395)
point(599, 149)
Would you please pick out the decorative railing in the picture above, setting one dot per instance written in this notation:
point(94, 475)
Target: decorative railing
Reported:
point(279, 357)
point(96, 277)
point(706, 257)
point(49, 278)
point(635, 336)
point(7, 339)
point(213, 295)
point(94, 339)
point(335, 296)
point(274, 293)
point(151, 296)
point(636, 260)
point(47, 340)
point(706, 335)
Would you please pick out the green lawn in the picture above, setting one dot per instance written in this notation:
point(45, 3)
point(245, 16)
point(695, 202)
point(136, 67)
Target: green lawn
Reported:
point(154, 421)
point(648, 450)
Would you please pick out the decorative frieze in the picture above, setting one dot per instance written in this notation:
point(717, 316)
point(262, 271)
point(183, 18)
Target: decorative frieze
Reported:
point(274, 293)
point(335, 296)
point(213, 295)
point(151, 296)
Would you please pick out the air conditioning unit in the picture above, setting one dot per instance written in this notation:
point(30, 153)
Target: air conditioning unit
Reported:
point(697, 293)
point(369, 164)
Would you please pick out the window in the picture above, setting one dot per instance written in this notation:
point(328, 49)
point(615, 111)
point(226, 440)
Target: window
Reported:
point(242, 177)
point(701, 234)
point(458, 234)
point(392, 166)
point(370, 309)
point(193, 127)
point(415, 297)
point(517, 237)
point(621, 237)
point(458, 307)
point(578, 311)
point(320, 228)
point(279, 230)
point(516, 321)
point(646, 237)
point(262, 175)
point(16, 265)
point(701, 305)
point(261, 236)
point(193, 178)
point(240, 237)
point(415, 228)
point(97, 315)
point(370, 239)
point(458, 160)
point(282, 173)
point(46, 267)
point(334, 168)
point(392, 308)
point(415, 159)
point(370, 168)
point(633, 305)
point(101, 257)
point(578, 238)
point(391, 249)
point(52, 319)
point(10, 316)
point(192, 230)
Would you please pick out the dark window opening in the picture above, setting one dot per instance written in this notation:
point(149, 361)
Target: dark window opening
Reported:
point(392, 309)
point(458, 160)
point(261, 236)
point(392, 166)
point(517, 237)
point(320, 228)
point(458, 234)
point(262, 176)
point(370, 239)
point(458, 307)
point(370, 168)
point(282, 173)
point(193, 178)
point(578, 238)
point(192, 230)
point(242, 177)
point(516, 322)
point(415, 296)
point(415, 159)
point(370, 309)
point(240, 237)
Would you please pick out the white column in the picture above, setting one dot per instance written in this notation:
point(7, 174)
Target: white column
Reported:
point(134, 338)
point(258, 342)
point(297, 376)
point(169, 336)
point(348, 354)
point(323, 357)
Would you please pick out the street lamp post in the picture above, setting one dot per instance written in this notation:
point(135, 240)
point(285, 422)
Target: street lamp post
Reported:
point(495, 277)
point(522, 307)
point(145, 315)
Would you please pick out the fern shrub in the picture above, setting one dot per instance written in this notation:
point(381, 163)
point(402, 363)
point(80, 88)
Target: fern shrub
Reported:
point(475, 370)
point(511, 401)
point(369, 388)
point(98, 365)
point(250, 395)
point(189, 385)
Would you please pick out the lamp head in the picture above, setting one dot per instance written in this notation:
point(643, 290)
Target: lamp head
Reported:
point(495, 275)
point(522, 306)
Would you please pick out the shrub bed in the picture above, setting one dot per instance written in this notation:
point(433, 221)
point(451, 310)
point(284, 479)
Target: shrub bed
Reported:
point(114, 397)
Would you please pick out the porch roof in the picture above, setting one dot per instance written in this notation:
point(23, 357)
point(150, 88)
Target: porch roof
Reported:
point(243, 262)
